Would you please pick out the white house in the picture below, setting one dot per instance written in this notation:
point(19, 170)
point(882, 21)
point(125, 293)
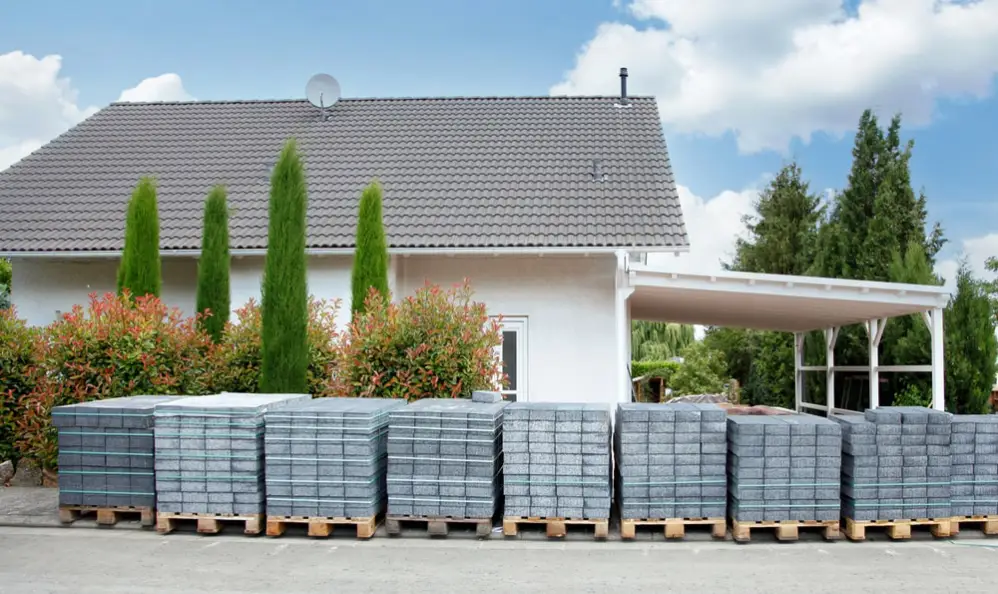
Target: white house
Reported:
point(534, 199)
point(548, 205)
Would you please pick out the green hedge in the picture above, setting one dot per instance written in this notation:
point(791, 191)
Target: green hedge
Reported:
point(663, 369)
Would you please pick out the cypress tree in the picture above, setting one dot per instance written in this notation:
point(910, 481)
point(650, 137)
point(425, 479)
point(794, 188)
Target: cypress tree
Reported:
point(370, 260)
point(285, 290)
point(213, 265)
point(971, 346)
point(140, 270)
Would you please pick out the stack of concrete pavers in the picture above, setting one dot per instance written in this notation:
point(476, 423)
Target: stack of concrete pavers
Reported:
point(784, 468)
point(445, 458)
point(210, 452)
point(975, 465)
point(327, 457)
point(106, 452)
point(558, 462)
point(912, 461)
point(671, 460)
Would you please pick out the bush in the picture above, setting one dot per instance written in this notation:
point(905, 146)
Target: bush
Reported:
point(112, 348)
point(235, 361)
point(702, 371)
point(912, 395)
point(140, 270)
point(663, 369)
point(17, 376)
point(213, 266)
point(370, 260)
point(434, 344)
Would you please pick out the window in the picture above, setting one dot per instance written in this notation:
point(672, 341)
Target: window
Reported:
point(513, 354)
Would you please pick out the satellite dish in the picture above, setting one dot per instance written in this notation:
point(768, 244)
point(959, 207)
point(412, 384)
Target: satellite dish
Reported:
point(322, 91)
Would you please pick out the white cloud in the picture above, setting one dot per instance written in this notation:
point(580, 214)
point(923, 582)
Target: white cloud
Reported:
point(772, 70)
point(977, 250)
point(713, 225)
point(165, 87)
point(37, 104)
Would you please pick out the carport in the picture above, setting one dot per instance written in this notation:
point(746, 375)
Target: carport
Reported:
point(793, 304)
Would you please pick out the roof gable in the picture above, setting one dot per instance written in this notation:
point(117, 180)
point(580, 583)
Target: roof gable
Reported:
point(457, 173)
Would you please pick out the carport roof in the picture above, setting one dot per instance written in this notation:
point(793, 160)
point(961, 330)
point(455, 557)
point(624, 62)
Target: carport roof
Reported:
point(770, 301)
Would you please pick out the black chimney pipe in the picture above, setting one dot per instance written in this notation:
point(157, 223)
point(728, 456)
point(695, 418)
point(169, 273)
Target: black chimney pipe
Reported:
point(623, 86)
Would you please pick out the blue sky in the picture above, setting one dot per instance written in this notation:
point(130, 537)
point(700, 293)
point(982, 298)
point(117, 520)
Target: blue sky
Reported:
point(726, 131)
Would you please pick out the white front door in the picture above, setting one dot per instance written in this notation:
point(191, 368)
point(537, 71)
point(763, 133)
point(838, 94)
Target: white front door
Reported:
point(513, 354)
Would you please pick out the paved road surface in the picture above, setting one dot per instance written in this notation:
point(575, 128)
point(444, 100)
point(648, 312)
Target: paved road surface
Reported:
point(112, 561)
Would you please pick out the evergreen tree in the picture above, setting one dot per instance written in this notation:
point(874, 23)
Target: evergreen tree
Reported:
point(370, 261)
point(971, 346)
point(140, 270)
point(906, 340)
point(285, 292)
point(783, 236)
point(213, 265)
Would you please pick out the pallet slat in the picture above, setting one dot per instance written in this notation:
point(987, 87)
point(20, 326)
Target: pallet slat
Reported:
point(673, 527)
point(320, 526)
point(786, 530)
point(897, 529)
point(988, 524)
point(210, 523)
point(437, 525)
point(556, 527)
point(106, 516)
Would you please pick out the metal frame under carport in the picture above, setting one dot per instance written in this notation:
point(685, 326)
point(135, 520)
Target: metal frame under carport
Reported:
point(792, 304)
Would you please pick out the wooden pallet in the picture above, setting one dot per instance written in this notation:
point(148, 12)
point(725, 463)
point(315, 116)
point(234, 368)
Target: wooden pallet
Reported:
point(988, 524)
point(209, 523)
point(106, 516)
point(556, 527)
point(320, 526)
point(437, 525)
point(674, 527)
point(786, 530)
point(897, 529)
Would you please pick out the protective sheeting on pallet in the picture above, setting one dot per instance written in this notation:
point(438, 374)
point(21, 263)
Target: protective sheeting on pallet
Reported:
point(445, 458)
point(106, 452)
point(671, 460)
point(327, 457)
point(557, 460)
point(210, 452)
point(784, 467)
point(896, 464)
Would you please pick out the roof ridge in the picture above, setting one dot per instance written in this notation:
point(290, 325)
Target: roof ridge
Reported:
point(396, 99)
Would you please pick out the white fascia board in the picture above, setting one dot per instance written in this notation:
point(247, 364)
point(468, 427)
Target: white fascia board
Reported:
point(924, 296)
point(485, 251)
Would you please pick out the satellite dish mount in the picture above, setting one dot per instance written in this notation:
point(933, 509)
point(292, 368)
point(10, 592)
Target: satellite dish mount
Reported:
point(322, 91)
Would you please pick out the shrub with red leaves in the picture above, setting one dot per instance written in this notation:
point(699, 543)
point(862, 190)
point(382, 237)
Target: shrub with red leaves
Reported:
point(434, 344)
point(235, 361)
point(17, 375)
point(114, 347)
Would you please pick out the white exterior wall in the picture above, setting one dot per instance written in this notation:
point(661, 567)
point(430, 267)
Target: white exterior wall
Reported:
point(43, 286)
point(569, 305)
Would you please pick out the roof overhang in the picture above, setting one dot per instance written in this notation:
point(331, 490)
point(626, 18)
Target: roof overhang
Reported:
point(769, 301)
point(348, 251)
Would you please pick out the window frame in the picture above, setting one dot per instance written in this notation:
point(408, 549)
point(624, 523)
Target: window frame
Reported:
point(520, 325)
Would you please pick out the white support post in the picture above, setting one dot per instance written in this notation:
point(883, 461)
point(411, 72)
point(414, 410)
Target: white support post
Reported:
point(938, 363)
point(798, 372)
point(873, 333)
point(831, 335)
point(623, 327)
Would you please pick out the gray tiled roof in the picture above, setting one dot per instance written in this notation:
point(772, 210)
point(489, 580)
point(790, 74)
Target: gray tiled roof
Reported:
point(457, 172)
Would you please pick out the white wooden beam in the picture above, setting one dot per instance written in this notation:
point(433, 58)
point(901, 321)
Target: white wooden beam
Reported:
point(798, 374)
point(831, 335)
point(873, 333)
point(938, 363)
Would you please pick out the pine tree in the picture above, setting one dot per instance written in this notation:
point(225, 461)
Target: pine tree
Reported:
point(783, 236)
point(370, 261)
point(140, 270)
point(971, 347)
point(213, 265)
point(285, 291)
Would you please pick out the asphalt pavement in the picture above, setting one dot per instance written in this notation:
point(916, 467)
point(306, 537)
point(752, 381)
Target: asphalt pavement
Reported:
point(112, 560)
